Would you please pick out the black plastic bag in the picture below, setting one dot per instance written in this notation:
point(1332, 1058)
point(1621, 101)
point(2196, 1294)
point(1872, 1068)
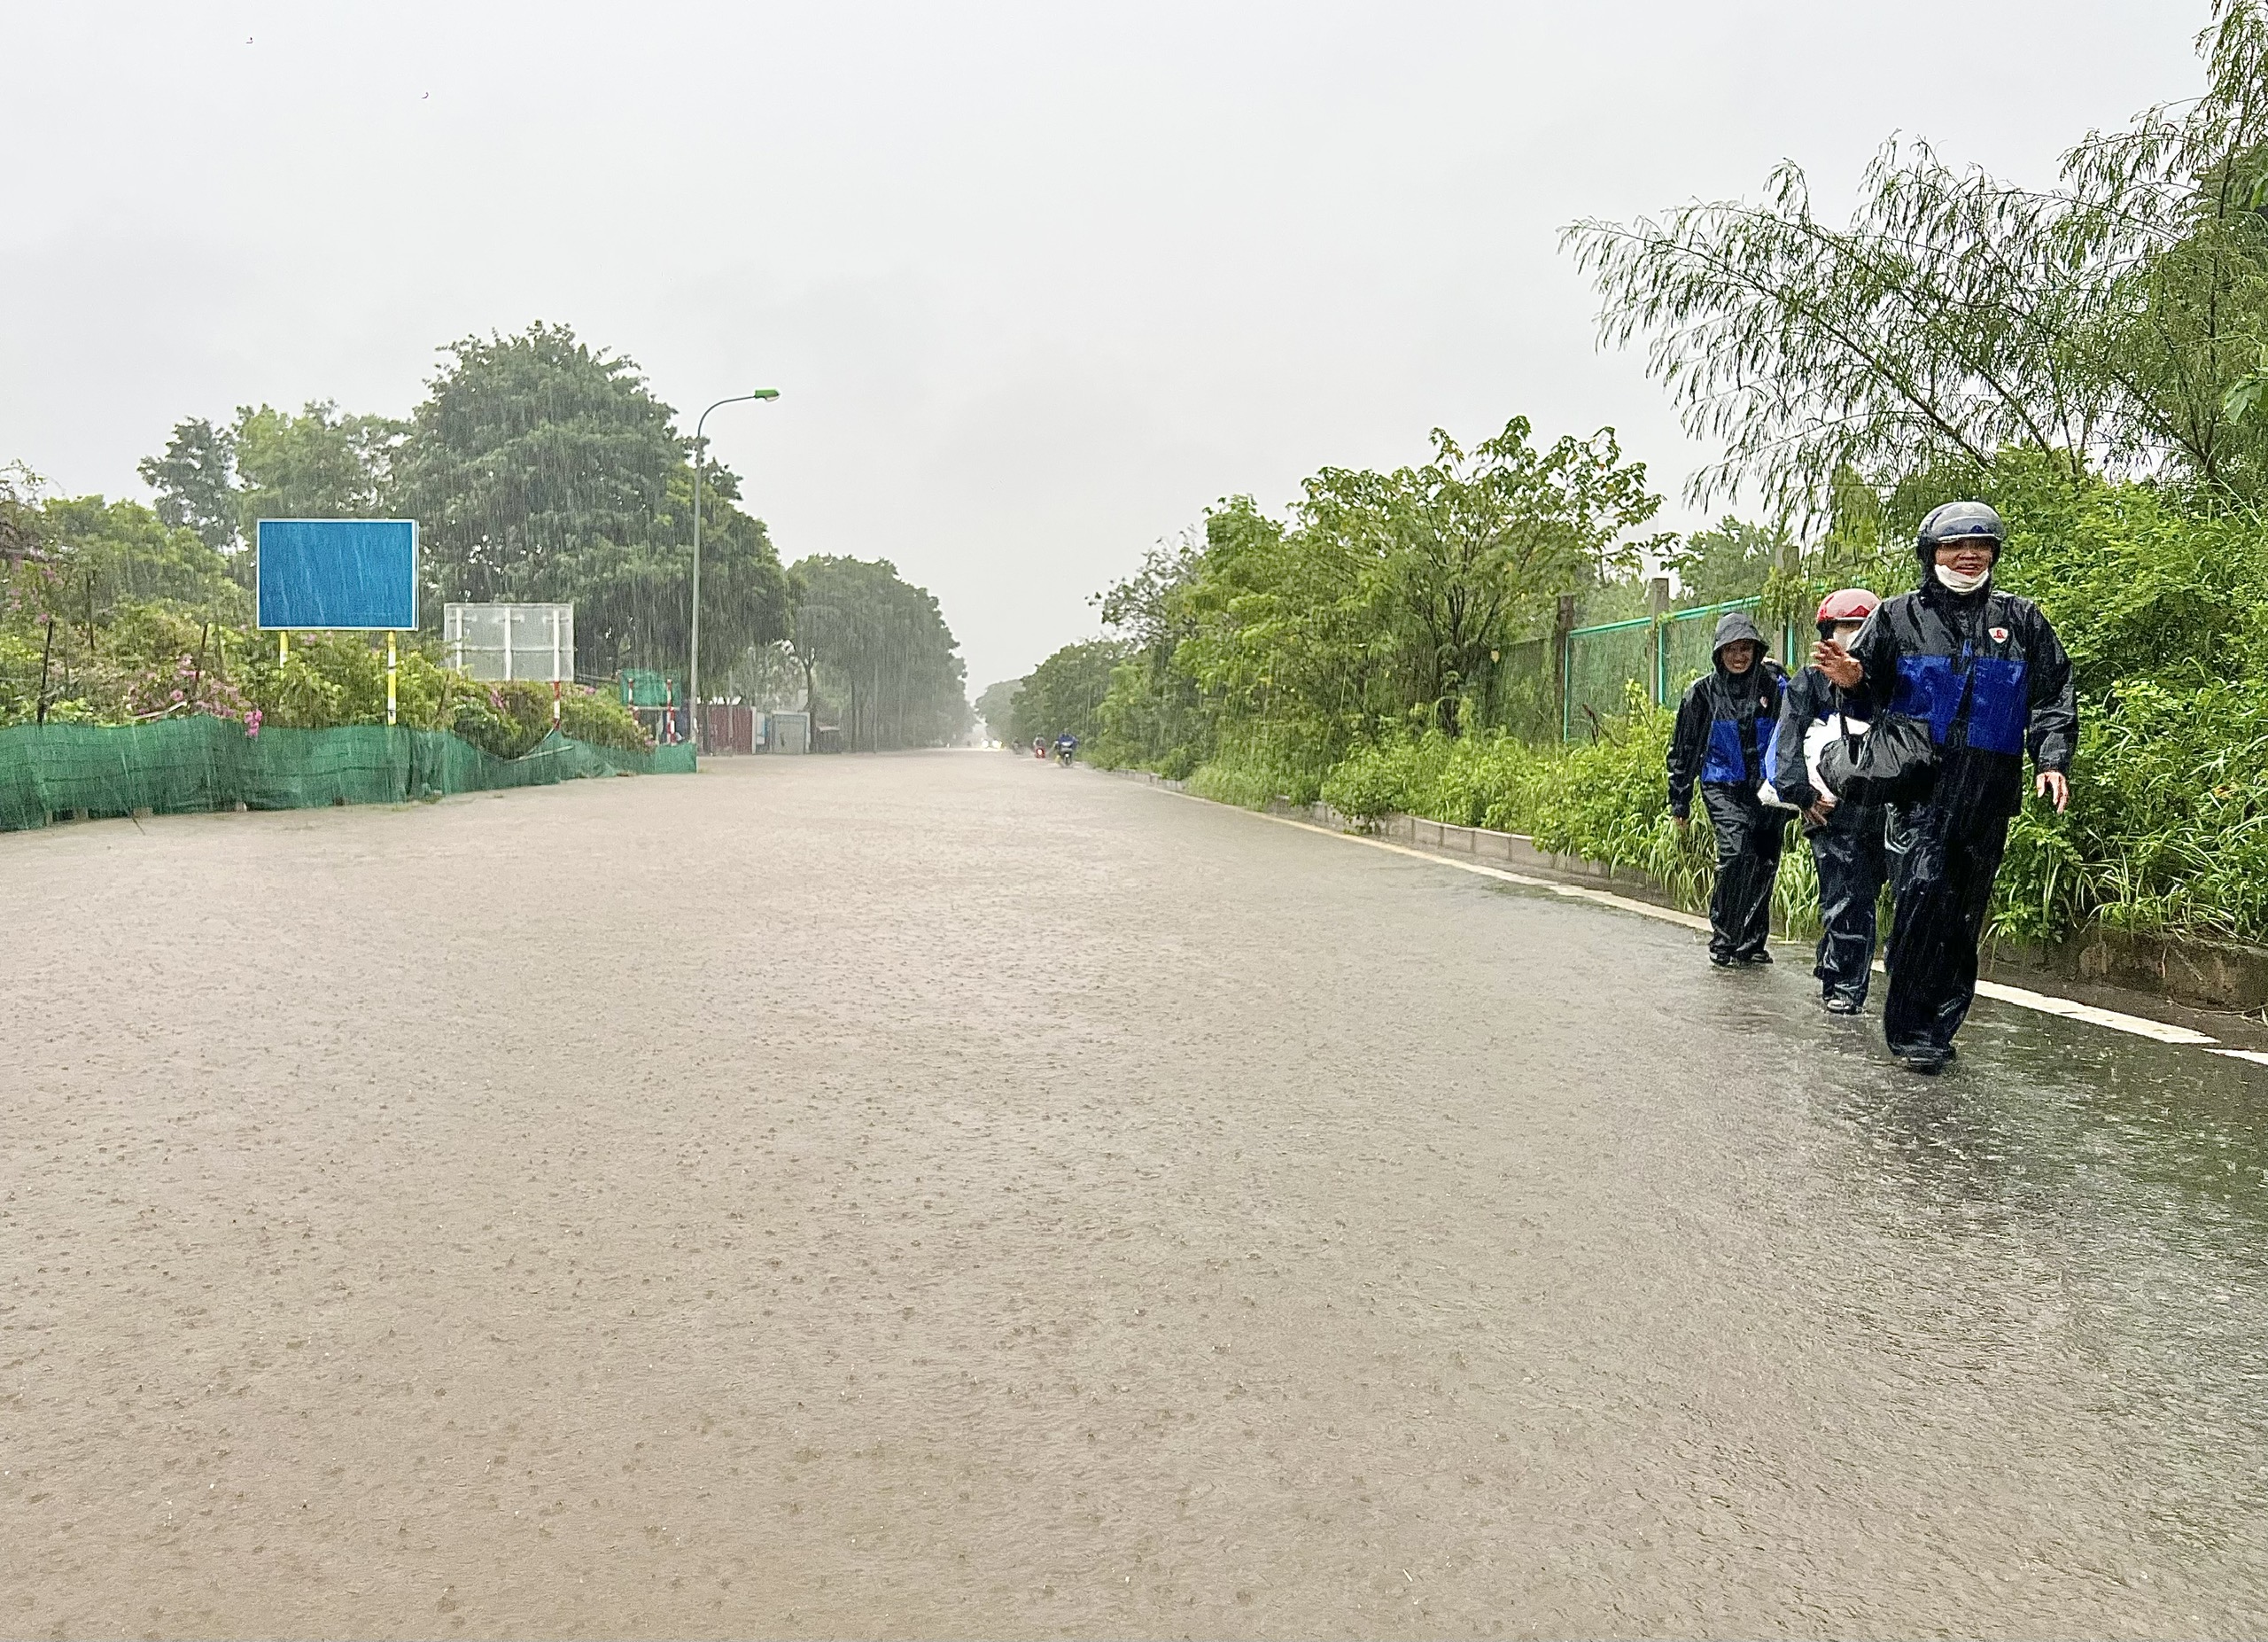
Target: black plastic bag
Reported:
point(1894, 762)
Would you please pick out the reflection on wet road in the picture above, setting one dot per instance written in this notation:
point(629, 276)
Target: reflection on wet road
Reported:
point(957, 1195)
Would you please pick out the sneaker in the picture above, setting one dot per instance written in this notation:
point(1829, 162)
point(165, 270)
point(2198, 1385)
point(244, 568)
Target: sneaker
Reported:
point(1722, 960)
point(1837, 1004)
point(1927, 1065)
point(1755, 959)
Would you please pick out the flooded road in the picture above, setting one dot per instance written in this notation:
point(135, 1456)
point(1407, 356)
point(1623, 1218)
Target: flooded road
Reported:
point(951, 1195)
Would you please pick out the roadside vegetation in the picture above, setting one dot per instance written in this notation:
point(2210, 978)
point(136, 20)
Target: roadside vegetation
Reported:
point(539, 469)
point(873, 652)
point(2090, 357)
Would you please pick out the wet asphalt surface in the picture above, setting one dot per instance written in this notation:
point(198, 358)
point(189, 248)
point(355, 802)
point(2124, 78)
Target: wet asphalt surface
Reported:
point(949, 1195)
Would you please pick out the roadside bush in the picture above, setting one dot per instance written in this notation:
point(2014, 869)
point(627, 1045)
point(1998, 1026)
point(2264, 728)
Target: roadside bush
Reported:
point(509, 720)
point(1253, 780)
point(599, 718)
point(1370, 781)
point(1232, 780)
point(2169, 821)
point(1605, 800)
point(1178, 765)
point(159, 660)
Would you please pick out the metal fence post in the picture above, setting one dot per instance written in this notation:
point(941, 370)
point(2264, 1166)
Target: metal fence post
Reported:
point(1562, 637)
point(1790, 555)
point(1657, 606)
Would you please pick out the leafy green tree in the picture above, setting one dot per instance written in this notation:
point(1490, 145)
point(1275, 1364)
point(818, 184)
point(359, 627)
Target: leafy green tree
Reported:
point(318, 464)
point(1066, 692)
point(1386, 603)
point(529, 446)
point(542, 469)
point(90, 593)
point(22, 527)
point(1389, 597)
point(1466, 552)
point(1282, 628)
point(1154, 709)
point(196, 482)
point(2111, 322)
point(1730, 562)
point(996, 707)
point(634, 599)
point(116, 553)
point(878, 651)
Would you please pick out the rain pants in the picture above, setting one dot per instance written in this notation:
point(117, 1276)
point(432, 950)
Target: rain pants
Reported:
point(1987, 673)
point(1848, 851)
point(1723, 723)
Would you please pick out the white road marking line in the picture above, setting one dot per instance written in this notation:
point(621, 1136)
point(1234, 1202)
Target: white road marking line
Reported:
point(1572, 892)
point(2048, 1004)
point(2023, 997)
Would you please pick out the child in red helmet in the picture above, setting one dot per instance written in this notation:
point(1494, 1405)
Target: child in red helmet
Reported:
point(1846, 839)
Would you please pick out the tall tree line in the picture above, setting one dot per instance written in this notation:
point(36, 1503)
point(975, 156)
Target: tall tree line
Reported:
point(876, 655)
point(539, 470)
point(1384, 602)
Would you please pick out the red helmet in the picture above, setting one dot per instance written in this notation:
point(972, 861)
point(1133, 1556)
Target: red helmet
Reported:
point(1846, 604)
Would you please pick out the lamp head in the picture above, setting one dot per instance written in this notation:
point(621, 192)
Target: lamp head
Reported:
point(766, 393)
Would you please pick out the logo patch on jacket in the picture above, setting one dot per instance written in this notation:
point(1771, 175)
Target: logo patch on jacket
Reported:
point(2000, 634)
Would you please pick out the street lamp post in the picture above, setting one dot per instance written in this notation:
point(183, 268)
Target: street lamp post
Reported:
point(693, 668)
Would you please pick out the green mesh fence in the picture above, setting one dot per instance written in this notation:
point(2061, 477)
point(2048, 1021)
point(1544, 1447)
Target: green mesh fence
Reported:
point(183, 764)
point(642, 687)
point(1524, 691)
point(1601, 663)
point(1661, 658)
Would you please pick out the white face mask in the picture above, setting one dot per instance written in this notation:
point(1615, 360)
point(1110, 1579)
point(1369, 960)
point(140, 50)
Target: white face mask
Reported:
point(1953, 582)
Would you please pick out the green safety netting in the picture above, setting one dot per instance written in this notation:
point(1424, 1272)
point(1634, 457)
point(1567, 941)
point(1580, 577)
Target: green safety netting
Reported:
point(1661, 657)
point(642, 687)
point(1524, 690)
point(1601, 662)
point(182, 765)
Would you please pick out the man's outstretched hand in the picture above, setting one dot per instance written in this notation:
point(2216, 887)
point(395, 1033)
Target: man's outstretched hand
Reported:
point(2053, 784)
point(1836, 663)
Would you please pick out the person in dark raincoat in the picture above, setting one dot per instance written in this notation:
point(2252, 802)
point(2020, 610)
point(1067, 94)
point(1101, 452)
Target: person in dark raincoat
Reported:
point(1986, 672)
point(1846, 839)
point(1722, 724)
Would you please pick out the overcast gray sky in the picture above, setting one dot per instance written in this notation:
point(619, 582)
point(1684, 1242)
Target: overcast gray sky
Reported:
point(1037, 283)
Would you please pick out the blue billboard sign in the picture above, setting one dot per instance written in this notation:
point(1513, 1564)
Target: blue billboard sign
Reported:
point(321, 573)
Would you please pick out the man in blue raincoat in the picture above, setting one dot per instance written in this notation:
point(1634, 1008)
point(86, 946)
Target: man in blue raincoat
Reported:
point(1722, 724)
point(1985, 671)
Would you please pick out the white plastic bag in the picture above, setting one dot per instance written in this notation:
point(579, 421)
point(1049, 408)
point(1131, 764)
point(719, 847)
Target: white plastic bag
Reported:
point(1817, 734)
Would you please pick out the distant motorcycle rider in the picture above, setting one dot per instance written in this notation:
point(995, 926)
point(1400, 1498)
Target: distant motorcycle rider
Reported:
point(1065, 745)
point(1722, 724)
point(1986, 672)
point(1846, 839)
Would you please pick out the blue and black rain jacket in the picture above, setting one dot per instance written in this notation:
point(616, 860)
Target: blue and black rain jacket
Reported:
point(1988, 674)
point(1723, 722)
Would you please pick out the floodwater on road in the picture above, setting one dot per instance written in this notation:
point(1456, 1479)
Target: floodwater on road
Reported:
point(951, 1195)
